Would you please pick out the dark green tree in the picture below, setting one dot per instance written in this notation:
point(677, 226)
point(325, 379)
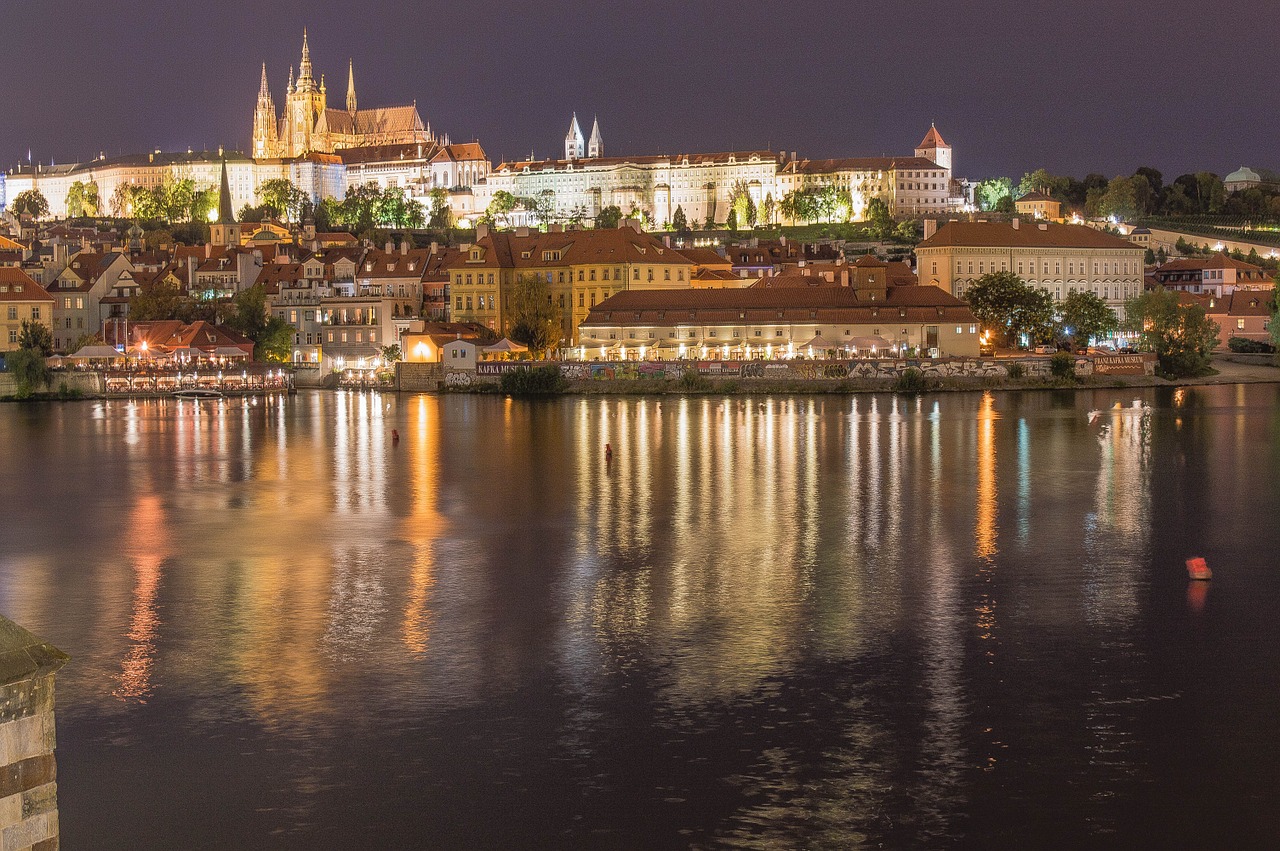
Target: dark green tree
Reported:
point(732, 222)
point(879, 217)
point(35, 337)
point(440, 216)
point(30, 203)
point(1010, 308)
point(532, 316)
point(29, 371)
point(1181, 336)
point(272, 336)
point(609, 217)
point(161, 299)
point(679, 221)
point(1086, 317)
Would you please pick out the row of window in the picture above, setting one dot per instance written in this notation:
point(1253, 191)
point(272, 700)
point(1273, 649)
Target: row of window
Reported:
point(1107, 268)
point(13, 312)
point(737, 334)
point(345, 337)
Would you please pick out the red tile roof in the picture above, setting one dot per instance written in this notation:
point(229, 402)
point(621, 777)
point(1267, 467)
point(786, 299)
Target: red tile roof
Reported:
point(17, 285)
point(1026, 235)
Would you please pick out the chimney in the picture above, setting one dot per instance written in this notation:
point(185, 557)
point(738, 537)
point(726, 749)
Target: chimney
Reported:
point(482, 230)
point(666, 240)
point(208, 250)
point(388, 247)
point(1015, 223)
point(404, 246)
point(435, 248)
point(930, 227)
point(191, 271)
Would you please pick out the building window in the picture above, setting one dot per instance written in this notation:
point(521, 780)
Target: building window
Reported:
point(459, 303)
point(581, 298)
point(13, 313)
point(1240, 324)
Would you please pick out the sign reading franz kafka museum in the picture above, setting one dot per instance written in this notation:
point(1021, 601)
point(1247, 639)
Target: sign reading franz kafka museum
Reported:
point(1123, 364)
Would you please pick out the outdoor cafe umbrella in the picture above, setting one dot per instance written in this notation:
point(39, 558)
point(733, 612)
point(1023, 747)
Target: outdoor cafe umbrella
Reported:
point(819, 343)
point(505, 346)
point(230, 352)
point(100, 351)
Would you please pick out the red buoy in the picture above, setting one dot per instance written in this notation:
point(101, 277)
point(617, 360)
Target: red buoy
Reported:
point(1198, 568)
point(395, 435)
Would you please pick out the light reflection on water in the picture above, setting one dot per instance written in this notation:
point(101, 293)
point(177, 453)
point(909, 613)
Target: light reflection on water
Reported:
point(828, 621)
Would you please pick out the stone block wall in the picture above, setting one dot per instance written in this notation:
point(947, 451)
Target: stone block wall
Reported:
point(28, 770)
point(418, 377)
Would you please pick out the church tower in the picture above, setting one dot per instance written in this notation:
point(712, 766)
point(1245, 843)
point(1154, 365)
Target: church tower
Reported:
point(595, 148)
point(265, 140)
point(306, 104)
point(225, 232)
point(351, 87)
point(574, 143)
point(934, 149)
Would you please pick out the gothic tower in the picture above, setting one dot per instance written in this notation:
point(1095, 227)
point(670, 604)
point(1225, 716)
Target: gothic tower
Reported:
point(351, 87)
point(265, 140)
point(306, 103)
point(595, 148)
point(574, 143)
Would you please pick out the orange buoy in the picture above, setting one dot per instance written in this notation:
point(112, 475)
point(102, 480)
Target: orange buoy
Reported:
point(1197, 568)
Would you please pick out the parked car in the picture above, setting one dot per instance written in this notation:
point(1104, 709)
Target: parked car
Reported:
point(1046, 349)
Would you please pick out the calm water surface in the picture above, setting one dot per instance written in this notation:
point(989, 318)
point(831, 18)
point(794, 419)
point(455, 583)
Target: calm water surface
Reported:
point(946, 621)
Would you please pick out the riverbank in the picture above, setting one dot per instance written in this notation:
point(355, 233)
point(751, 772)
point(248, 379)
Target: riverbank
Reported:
point(1225, 372)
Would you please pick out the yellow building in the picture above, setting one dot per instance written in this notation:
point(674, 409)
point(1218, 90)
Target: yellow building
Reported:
point(1037, 205)
point(581, 268)
point(1058, 257)
point(21, 299)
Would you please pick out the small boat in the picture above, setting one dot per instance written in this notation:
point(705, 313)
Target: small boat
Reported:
point(197, 393)
point(1198, 568)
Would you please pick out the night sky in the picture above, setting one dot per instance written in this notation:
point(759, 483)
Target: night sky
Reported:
point(1012, 84)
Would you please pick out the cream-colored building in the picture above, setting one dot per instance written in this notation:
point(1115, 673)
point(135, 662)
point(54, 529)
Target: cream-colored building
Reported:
point(704, 185)
point(1037, 205)
point(1060, 258)
point(21, 299)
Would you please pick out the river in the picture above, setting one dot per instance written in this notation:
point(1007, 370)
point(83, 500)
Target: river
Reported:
point(955, 620)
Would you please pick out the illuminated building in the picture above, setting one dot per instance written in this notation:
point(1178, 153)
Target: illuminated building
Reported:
point(869, 316)
point(1060, 258)
point(309, 124)
point(21, 300)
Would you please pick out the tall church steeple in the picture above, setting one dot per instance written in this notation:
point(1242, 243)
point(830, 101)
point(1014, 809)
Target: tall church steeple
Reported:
point(226, 230)
point(351, 86)
point(574, 143)
point(595, 148)
point(264, 121)
point(304, 69)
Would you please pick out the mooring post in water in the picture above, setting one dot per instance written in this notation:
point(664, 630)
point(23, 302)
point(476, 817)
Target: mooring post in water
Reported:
point(28, 773)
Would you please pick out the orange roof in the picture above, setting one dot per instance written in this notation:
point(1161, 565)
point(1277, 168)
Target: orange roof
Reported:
point(1026, 235)
point(17, 285)
point(932, 139)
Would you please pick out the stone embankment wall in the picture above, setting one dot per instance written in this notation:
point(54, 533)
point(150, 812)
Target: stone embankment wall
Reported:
point(28, 772)
point(872, 372)
point(88, 383)
point(418, 377)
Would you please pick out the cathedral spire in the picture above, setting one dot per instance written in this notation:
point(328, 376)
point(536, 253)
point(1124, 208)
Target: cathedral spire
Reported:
point(264, 93)
point(595, 147)
point(225, 216)
point(351, 86)
point(290, 88)
point(304, 70)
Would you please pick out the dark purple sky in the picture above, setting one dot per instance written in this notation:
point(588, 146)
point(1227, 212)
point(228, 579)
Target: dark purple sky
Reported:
point(1012, 84)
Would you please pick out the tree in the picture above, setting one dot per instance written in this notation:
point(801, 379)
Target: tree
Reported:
point(1008, 306)
point(879, 217)
point(30, 203)
point(82, 199)
point(1120, 199)
point(679, 221)
point(391, 353)
point(440, 215)
point(732, 222)
point(609, 217)
point(905, 231)
point(161, 299)
point(272, 336)
point(1086, 317)
point(991, 192)
point(533, 318)
point(500, 207)
point(29, 370)
point(281, 194)
point(36, 337)
point(1043, 182)
point(1274, 325)
point(768, 209)
point(1181, 336)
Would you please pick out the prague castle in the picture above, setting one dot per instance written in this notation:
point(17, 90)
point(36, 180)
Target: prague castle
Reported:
point(310, 125)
